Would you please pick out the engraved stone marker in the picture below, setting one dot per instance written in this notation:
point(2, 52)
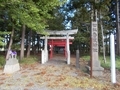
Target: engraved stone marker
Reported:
point(97, 70)
point(77, 59)
point(12, 64)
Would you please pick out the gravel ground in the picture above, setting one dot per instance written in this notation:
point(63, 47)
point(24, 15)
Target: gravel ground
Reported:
point(54, 75)
point(37, 77)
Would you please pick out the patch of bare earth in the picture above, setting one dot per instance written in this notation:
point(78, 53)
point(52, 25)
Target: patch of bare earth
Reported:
point(56, 75)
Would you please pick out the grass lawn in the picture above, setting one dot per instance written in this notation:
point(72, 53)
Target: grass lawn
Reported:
point(25, 61)
point(29, 60)
point(106, 65)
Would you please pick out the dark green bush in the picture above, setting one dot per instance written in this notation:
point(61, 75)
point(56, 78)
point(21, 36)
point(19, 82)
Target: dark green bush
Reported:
point(2, 61)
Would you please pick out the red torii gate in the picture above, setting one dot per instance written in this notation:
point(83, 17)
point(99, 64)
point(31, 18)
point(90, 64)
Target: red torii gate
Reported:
point(57, 42)
point(50, 40)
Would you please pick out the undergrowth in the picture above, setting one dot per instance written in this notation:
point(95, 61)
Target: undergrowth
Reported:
point(2, 61)
point(29, 60)
point(107, 64)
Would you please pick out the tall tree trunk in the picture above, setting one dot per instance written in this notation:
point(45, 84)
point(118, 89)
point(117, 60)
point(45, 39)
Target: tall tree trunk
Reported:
point(38, 43)
point(33, 43)
point(104, 58)
point(106, 44)
point(118, 28)
point(10, 43)
point(29, 43)
point(22, 42)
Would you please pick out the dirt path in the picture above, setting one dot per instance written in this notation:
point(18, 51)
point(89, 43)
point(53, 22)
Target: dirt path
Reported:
point(54, 75)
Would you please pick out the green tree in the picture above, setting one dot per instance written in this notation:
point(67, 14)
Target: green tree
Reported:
point(31, 13)
point(82, 18)
point(3, 24)
point(57, 22)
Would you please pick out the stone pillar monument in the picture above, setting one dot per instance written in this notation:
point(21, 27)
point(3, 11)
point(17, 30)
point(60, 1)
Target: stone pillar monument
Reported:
point(96, 69)
point(77, 59)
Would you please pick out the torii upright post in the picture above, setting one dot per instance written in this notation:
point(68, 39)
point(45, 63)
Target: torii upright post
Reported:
point(68, 49)
point(44, 54)
point(46, 51)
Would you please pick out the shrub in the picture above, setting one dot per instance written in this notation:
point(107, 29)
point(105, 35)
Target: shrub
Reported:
point(2, 61)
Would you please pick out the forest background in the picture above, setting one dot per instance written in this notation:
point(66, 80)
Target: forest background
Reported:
point(22, 20)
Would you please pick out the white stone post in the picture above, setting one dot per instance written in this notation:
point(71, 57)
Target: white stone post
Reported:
point(68, 49)
point(112, 56)
point(42, 57)
point(46, 51)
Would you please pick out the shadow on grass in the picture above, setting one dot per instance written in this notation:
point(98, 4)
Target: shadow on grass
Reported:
point(30, 60)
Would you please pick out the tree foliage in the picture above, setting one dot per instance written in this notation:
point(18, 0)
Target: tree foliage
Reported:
point(34, 14)
point(82, 19)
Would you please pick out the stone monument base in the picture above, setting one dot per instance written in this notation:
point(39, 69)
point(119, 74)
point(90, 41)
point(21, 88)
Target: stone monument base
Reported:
point(8, 69)
point(11, 66)
point(97, 70)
